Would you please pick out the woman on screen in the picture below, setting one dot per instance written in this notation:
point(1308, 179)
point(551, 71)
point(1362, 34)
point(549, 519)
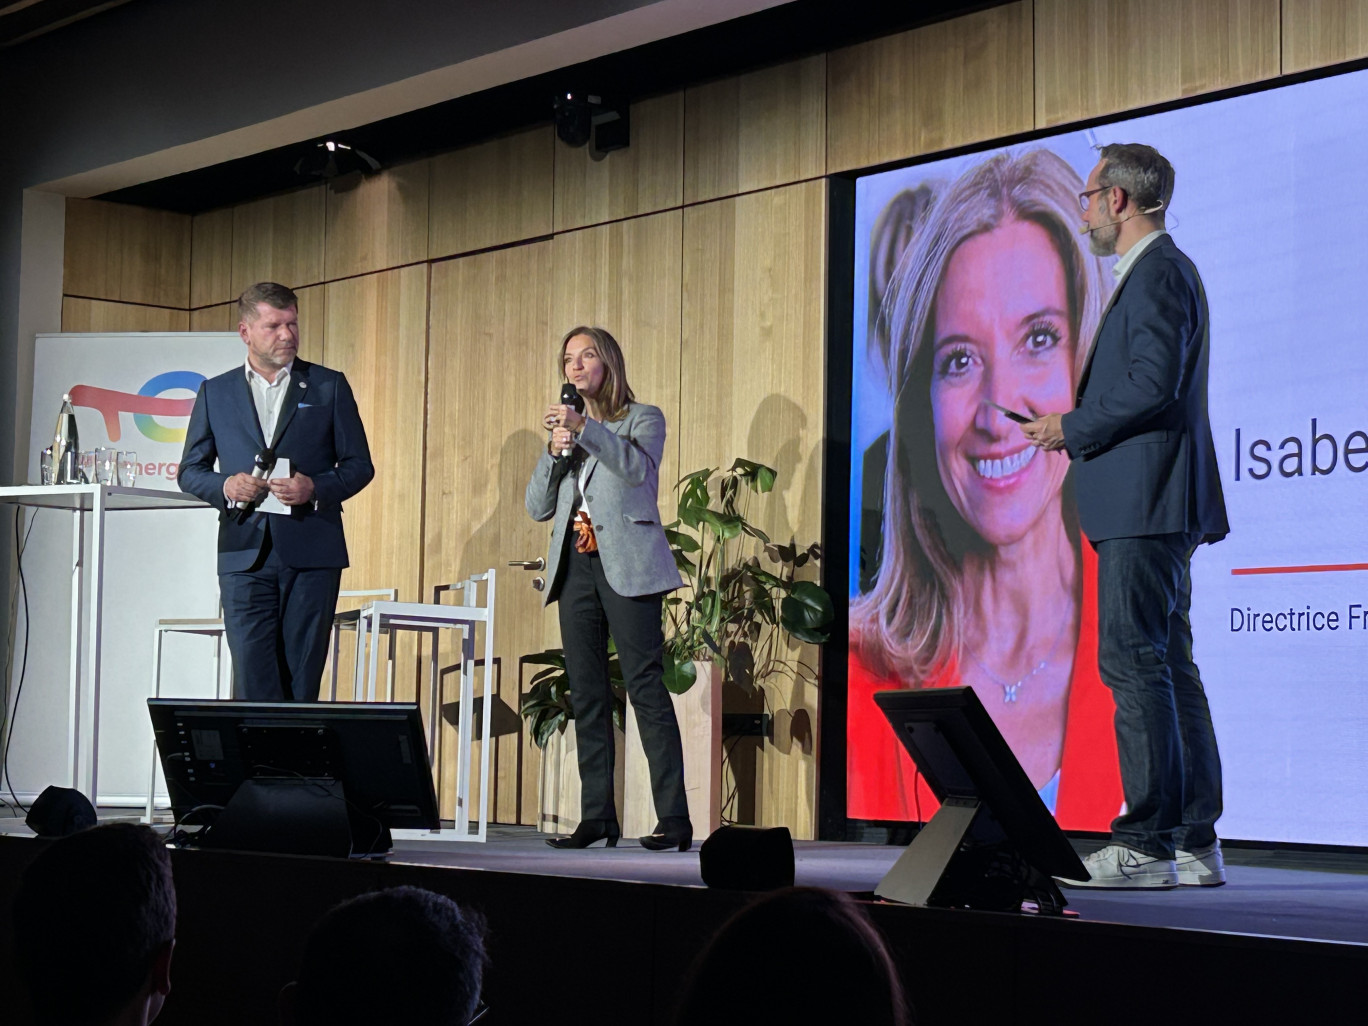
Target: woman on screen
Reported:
point(983, 578)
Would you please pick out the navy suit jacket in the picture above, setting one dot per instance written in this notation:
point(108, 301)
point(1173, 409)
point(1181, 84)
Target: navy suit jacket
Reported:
point(1139, 436)
point(319, 430)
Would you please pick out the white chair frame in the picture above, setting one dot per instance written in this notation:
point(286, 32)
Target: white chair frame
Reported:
point(350, 620)
point(430, 618)
point(209, 627)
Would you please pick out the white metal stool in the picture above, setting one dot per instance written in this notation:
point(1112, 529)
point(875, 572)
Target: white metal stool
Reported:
point(430, 618)
point(209, 628)
point(347, 620)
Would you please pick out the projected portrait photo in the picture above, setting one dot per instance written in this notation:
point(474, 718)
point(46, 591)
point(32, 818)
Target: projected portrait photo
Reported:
point(983, 301)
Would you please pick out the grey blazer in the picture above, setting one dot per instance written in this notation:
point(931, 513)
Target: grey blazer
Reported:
point(622, 470)
point(1144, 461)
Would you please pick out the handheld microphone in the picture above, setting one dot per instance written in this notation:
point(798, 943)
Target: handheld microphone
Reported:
point(262, 465)
point(570, 397)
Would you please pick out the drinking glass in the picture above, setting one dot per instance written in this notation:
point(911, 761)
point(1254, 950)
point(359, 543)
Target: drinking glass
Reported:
point(86, 461)
point(46, 467)
point(128, 469)
point(106, 465)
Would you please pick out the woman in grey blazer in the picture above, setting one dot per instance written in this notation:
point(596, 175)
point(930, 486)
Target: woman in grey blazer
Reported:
point(610, 566)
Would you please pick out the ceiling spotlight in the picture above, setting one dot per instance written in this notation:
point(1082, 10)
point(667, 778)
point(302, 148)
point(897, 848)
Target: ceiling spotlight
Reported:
point(332, 158)
point(582, 117)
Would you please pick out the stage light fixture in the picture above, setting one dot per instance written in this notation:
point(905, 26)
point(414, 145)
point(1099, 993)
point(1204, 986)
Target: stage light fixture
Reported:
point(583, 118)
point(331, 158)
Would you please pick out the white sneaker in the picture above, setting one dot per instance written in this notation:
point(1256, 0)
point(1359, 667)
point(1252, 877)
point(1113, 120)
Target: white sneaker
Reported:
point(1201, 868)
point(1117, 867)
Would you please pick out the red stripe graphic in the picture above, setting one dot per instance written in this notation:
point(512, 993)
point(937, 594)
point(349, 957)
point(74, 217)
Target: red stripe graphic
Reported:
point(1323, 568)
point(111, 403)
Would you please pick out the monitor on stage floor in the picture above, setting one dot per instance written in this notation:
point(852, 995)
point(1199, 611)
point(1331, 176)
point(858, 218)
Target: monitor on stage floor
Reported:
point(315, 778)
point(999, 845)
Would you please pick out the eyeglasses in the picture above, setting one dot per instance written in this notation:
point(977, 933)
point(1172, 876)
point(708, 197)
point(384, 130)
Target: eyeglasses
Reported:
point(1085, 198)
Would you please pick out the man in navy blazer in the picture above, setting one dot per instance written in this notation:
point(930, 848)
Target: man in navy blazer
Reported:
point(279, 573)
point(1149, 492)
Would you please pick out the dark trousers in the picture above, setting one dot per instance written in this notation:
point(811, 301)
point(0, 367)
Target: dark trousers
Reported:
point(1170, 766)
point(589, 612)
point(278, 619)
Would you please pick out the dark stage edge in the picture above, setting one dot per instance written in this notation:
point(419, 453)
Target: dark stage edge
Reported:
point(1285, 939)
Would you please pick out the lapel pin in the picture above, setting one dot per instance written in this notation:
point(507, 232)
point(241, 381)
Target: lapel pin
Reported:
point(303, 383)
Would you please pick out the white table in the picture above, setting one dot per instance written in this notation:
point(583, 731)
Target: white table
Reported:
point(87, 588)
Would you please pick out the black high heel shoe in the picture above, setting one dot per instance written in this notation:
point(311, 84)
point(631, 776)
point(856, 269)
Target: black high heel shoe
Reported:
point(673, 833)
point(590, 831)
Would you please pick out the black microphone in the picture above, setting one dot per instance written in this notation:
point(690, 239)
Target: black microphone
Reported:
point(570, 397)
point(262, 465)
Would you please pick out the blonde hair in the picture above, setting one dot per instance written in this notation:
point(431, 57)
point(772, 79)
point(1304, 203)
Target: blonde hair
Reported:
point(908, 625)
point(615, 395)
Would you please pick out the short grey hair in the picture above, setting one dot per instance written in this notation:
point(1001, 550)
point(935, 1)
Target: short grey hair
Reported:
point(276, 296)
point(1142, 171)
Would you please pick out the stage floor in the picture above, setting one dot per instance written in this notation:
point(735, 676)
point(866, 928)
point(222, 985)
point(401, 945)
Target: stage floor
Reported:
point(1302, 895)
point(1270, 893)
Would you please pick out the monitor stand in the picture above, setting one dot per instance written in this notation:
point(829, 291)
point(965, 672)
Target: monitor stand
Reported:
point(286, 816)
point(947, 866)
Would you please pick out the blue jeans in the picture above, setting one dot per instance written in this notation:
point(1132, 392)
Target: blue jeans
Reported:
point(1170, 768)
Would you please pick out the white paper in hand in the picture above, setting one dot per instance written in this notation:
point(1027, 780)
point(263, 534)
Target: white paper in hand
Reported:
point(271, 504)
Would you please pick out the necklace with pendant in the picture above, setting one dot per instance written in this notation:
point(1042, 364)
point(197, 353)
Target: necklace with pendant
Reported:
point(1011, 687)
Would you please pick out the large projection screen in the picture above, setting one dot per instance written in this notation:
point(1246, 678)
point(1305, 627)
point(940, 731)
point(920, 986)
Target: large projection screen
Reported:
point(1270, 204)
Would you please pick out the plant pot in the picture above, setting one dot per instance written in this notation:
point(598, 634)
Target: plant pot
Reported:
point(558, 785)
point(699, 712)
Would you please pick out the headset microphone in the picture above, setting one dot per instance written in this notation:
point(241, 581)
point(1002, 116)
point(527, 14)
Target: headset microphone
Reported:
point(1089, 229)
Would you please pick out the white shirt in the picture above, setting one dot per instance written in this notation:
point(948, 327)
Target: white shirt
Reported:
point(1123, 265)
point(268, 397)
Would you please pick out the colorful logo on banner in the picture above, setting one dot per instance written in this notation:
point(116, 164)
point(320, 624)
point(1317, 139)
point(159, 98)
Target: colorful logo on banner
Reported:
point(146, 405)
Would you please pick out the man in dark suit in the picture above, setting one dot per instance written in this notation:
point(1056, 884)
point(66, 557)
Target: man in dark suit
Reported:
point(279, 573)
point(1149, 492)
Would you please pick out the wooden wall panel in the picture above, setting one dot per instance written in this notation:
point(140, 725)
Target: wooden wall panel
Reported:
point(755, 131)
point(1095, 57)
point(215, 318)
point(279, 239)
point(129, 254)
point(376, 222)
point(491, 194)
point(753, 386)
point(98, 315)
point(647, 176)
point(211, 259)
point(312, 321)
point(1317, 33)
point(627, 277)
point(944, 85)
point(491, 365)
point(375, 332)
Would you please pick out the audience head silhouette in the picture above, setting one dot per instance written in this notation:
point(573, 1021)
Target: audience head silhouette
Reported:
point(760, 966)
point(424, 963)
point(94, 927)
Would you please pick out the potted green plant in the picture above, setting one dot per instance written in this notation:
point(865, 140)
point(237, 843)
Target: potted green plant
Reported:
point(546, 706)
point(735, 610)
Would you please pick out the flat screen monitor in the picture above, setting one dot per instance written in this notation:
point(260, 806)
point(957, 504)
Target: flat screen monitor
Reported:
point(945, 494)
point(963, 757)
point(368, 758)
